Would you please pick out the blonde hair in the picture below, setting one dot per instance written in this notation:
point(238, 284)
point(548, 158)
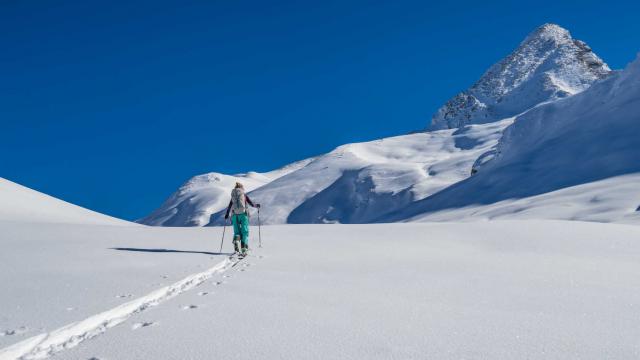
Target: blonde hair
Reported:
point(239, 185)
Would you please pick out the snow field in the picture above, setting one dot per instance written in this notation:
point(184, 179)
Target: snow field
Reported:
point(69, 336)
point(501, 289)
point(57, 274)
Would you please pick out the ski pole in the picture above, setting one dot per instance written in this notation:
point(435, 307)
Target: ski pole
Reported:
point(223, 230)
point(259, 232)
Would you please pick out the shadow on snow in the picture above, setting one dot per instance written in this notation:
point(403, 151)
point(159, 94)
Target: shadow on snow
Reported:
point(168, 251)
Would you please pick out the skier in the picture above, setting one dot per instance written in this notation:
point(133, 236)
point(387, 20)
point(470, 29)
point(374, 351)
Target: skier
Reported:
point(240, 218)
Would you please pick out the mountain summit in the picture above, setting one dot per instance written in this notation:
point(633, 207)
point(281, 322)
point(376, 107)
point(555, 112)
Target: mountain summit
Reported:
point(548, 65)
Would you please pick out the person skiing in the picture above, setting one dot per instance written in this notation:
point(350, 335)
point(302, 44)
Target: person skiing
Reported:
point(240, 218)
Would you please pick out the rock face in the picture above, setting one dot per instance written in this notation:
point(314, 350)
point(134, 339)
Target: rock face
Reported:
point(548, 65)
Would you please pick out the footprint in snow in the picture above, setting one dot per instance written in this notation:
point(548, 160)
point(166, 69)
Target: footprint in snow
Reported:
point(124, 296)
point(219, 282)
point(18, 331)
point(139, 325)
point(189, 307)
point(203, 293)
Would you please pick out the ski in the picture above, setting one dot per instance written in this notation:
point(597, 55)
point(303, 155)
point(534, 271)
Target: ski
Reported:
point(237, 257)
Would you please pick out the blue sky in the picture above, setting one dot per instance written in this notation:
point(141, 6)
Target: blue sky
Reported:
point(112, 105)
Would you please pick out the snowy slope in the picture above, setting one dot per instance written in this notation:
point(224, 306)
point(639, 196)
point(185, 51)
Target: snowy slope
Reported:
point(364, 182)
point(60, 262)
point(615, 199)
point(549, 64)
point(464, 290)
point(489, 290)
point(587, 138)
point(357, 183)
point(53, 274)
point(194, 202)
point(21, 204)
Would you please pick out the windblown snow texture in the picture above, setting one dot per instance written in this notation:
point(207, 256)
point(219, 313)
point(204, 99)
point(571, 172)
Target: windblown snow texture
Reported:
point(548, 65)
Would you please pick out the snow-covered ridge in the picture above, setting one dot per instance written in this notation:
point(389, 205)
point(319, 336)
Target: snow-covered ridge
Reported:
point(354, 183)
point(389, 179)
point(548, 65)
point(194, 202)
point(587, 144)
point(361, 182)
point(21, 204)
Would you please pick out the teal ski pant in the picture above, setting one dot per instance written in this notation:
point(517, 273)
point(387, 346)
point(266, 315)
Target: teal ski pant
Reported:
point(241, 227)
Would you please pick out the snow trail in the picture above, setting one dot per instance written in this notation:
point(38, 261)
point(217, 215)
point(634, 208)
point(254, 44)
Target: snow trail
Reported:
point(69, 336)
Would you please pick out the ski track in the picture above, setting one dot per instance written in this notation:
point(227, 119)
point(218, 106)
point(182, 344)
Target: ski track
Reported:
point(69, 336)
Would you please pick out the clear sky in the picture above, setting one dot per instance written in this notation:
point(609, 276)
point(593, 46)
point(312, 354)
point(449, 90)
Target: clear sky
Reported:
point(113, 104)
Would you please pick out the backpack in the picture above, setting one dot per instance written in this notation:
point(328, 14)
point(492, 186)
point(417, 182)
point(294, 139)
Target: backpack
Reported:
point(238, 201)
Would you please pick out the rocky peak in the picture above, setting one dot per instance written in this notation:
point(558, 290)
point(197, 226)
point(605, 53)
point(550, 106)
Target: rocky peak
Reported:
point(549, 64)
